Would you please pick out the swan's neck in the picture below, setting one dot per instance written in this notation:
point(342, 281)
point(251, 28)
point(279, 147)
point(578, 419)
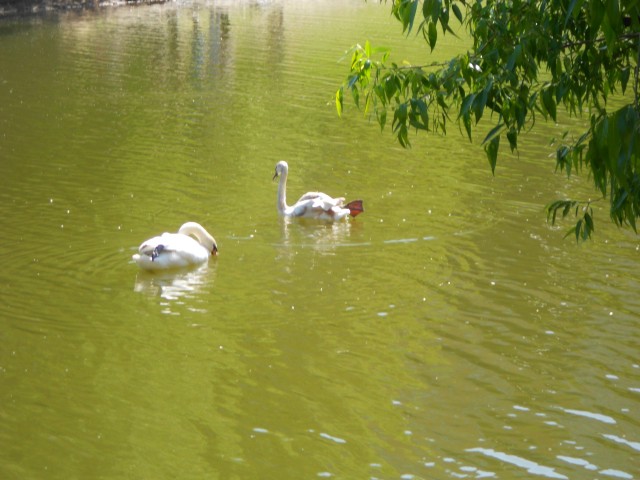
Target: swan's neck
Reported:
point(282, 192)
point(204, 238)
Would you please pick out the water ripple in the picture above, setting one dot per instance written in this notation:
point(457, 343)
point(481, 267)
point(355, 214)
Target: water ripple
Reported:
point(531, 467)
point(615, 438)
point(594, 416)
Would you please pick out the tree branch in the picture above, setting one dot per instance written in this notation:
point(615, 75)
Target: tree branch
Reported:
point(626, 36)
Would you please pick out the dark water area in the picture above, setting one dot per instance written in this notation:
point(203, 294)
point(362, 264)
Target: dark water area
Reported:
point(25, 8)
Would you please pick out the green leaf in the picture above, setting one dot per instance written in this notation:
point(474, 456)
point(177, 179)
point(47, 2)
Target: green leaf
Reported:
point(444, 20)
point(481, 101)
point(613, 13)
point(382, 118)
point(610, 33)
point(356, 96)
point(569, 12)
point(378, 90)
point(493, 133)
point(552, 210)
point(515, 55)
point(492, 152)
point(512, 136)
point(405, 11)
point(339, 101)
point(442, 102)
point(355, 58)
point(433, 35)
point(431, 9)
point(403, 136)
point(622, 197)
point(466, 120)
point(624, 78)
point(412, 14)
point(400, 116)
point(367, 103)
point(588, 220)
point(596, 14)
point(457, 12)
point(549, 102)
point(423, 111)
point(466, 104)
point(390, 86)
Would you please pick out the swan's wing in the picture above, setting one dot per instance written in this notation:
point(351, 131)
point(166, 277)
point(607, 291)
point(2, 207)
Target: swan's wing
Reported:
point(177, 242)
point(173, 242)
point(302, 207)
point(148, 246)
point(308, 196)
point(321, 200)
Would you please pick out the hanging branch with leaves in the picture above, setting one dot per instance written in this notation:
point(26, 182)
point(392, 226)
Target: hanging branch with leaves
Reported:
point(527, 60)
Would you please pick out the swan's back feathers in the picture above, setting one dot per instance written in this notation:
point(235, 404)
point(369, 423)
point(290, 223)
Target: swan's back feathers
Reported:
point(170, 242)
point(323, 198)
point(321, 205)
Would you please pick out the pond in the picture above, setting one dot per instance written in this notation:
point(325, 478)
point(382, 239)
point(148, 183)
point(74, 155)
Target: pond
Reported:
point(447, 332)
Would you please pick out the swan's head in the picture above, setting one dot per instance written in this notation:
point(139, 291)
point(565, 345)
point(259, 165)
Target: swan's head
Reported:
point(282, 167)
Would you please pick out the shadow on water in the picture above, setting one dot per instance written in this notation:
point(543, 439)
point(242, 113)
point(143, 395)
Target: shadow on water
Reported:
point(32, 8)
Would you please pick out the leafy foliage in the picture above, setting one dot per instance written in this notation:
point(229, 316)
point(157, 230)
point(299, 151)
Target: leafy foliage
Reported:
point(527, 60)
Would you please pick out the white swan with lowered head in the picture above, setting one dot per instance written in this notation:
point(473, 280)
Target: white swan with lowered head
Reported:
point(316, 205)
point(177, 250)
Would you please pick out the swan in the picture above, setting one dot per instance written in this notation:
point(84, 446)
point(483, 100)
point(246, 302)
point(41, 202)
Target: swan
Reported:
point(176, 250)
point(316, 205)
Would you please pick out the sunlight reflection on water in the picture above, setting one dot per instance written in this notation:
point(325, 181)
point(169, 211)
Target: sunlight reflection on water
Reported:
point(527, 465)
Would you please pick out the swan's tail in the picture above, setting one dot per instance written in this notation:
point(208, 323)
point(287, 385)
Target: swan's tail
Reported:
point(355, 208)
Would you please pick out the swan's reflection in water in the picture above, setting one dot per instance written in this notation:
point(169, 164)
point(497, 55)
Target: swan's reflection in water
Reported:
point(324, 237)
point(178, 288)
point(311, 240)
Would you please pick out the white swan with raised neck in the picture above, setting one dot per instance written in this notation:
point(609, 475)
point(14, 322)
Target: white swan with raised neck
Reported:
point(316, 205)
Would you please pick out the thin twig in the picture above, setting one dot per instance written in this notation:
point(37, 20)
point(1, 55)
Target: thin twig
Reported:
point(626, 36)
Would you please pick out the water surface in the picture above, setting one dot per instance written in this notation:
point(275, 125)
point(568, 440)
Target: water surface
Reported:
point(448, 332)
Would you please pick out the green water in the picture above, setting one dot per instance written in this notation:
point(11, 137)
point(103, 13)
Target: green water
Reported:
point(447, 332)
